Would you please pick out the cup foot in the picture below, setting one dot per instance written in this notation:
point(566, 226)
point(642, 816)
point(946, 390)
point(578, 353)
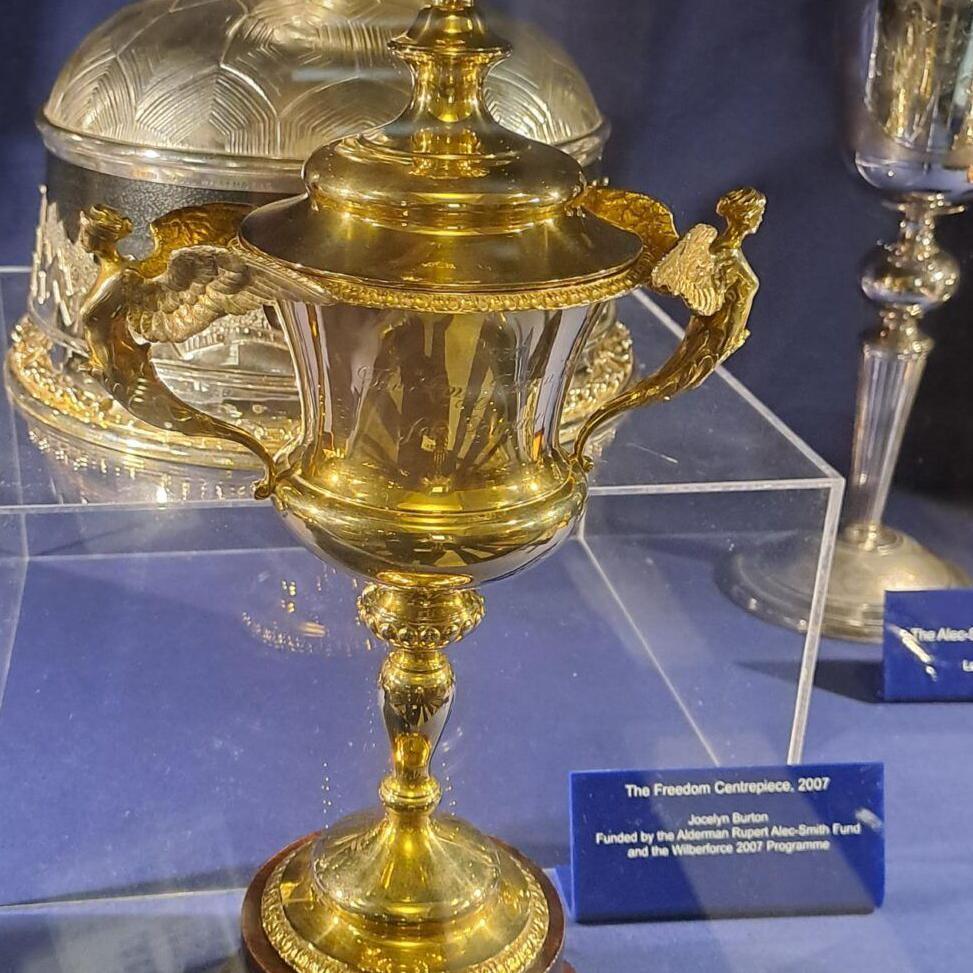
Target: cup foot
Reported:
point(775, 580)
point(388, 949)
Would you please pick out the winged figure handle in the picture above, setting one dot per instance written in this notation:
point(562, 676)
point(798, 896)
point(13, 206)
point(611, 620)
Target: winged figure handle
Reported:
point(191, 279)
point(706, 268)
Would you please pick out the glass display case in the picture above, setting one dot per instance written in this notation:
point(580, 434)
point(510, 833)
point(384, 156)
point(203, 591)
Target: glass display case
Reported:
point(182, 687)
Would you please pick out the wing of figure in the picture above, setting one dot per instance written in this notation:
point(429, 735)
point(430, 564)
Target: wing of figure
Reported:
point(201, 284)
point(689, 271)
point(194, 276)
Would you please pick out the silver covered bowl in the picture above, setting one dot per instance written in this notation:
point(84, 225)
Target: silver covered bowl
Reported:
point(174, 103)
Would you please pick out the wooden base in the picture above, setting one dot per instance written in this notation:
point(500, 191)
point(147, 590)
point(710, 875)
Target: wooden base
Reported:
point(261, 957)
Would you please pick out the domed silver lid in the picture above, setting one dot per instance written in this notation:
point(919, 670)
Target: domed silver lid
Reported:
point(235, 94)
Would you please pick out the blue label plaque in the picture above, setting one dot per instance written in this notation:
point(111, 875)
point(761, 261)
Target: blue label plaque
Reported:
point(928, 645)
point(752, 841)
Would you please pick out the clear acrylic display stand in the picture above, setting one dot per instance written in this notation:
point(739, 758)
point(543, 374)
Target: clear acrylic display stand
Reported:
point(184, 691)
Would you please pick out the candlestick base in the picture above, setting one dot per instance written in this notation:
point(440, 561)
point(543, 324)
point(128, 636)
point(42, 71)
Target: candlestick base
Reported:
point(775, 580)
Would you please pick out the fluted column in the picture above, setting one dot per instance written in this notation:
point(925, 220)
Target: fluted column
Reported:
point(905, 280)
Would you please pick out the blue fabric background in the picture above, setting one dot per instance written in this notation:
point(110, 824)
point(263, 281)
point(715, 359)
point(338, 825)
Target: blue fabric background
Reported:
point(704, 95)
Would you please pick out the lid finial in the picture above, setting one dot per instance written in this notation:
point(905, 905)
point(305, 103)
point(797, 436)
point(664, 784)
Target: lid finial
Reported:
point(450, 51)
point(445, 200)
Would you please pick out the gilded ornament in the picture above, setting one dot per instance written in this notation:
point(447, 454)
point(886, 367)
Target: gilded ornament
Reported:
point(437, 282)
point(167, 106)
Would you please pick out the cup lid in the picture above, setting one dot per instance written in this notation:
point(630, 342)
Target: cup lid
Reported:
point(444, 201)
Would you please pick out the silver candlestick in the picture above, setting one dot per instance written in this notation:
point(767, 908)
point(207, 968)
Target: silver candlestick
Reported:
point(909, 115)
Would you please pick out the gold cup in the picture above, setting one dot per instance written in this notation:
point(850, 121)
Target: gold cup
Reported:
point(436, 284)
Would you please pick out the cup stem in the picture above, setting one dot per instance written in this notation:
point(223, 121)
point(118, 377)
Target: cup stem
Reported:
point(893, 359)
point(416, 684)
point(904, 280)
